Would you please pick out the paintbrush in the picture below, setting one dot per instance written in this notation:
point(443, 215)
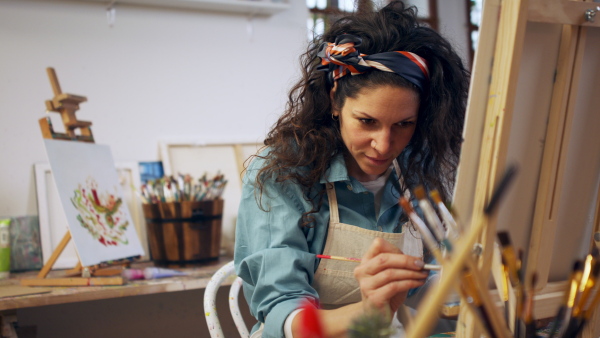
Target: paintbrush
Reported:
point(358, 260)
point(509, 257)
point(528, 317)
point(470, 290)
point(511, 262)
point(430, 215)
point(500, 190)
point(587, 283)
point(581, 317)
point(505, 296)
point(427, 236)
point(587, 314)
point(452, 229)
point(557, 323)
point(569, 301)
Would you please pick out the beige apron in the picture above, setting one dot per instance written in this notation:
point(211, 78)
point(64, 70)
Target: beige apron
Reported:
point(334, 280)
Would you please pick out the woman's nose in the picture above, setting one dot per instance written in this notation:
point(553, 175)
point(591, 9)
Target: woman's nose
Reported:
point(382, 141)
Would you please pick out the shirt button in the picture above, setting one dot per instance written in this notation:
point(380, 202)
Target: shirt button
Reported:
point(349, 187)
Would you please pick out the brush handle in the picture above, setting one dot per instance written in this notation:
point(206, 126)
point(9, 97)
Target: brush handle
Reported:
point(339, 258)
point(358, 260)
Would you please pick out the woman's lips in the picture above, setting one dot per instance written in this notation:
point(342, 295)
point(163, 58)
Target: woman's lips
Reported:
point(376, 161)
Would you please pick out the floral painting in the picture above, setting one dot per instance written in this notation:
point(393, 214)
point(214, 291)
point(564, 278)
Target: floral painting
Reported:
point(101, 214)
point(88, 185)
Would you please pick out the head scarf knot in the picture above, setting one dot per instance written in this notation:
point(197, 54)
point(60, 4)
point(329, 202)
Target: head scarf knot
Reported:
point(342, 58)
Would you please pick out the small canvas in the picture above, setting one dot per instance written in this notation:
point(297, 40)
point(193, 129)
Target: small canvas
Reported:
point(97, 216)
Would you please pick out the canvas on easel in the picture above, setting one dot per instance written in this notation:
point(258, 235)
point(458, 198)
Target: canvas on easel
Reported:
point(97, 218)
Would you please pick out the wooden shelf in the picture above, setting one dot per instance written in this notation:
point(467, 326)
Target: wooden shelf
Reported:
point(254, 7)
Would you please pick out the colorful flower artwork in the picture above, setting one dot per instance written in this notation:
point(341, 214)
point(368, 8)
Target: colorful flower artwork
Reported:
point(101, 214)
point(88, 185)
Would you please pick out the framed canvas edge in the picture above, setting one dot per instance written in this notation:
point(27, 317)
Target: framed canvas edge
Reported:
point(41, 169)
point(137, 214)
point(166, 144)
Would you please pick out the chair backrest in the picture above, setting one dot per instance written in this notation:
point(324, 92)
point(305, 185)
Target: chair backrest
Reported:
point(210, 308)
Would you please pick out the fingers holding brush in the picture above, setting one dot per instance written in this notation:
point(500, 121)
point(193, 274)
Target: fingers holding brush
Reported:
point(385, 275)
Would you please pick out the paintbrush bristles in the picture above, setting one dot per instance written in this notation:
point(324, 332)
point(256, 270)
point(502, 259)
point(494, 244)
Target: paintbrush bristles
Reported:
point(432, 218)
point(406, 206)
point(435, 196)
point(420, 192)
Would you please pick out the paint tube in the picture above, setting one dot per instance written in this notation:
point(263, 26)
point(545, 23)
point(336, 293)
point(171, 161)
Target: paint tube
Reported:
point(133, 274)
point(4, 248)
point(151, 273)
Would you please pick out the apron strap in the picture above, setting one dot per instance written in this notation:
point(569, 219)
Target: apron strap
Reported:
point(334, 215)
point(401, 179)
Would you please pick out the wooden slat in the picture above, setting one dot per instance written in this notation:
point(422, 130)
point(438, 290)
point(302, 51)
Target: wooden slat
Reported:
point(53, 81)
point(474, 120)
point(554, 156)
point(562, 12)
point(492, 160)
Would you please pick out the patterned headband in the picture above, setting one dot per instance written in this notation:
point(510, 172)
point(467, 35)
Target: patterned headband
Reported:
point(342, 57)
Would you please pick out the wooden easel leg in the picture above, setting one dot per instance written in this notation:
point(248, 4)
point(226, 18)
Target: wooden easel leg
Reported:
point(75, 271)
point(59, 249)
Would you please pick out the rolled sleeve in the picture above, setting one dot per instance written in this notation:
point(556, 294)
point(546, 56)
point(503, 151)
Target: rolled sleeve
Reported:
point(272, 253)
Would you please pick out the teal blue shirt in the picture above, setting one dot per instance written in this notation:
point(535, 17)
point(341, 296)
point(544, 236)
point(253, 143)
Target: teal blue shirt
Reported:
point(275, 256)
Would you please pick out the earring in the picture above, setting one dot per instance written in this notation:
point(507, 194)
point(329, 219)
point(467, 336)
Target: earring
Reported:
point(335, 117)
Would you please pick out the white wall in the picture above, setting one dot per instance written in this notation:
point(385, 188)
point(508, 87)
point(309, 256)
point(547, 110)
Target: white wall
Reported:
point(156, 73)
point(453, 25)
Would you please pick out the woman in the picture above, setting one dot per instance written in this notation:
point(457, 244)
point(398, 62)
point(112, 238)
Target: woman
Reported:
point(379, 110)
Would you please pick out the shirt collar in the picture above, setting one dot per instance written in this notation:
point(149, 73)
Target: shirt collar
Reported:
point(337, 170)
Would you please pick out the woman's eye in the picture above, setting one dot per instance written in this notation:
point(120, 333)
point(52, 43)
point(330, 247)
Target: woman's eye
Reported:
point(367, 121)
point(405, 124)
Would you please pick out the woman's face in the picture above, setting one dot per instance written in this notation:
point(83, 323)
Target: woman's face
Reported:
point(376, 125)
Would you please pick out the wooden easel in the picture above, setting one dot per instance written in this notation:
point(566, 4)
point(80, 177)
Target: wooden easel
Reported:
point(484, 154)
point(67, 105)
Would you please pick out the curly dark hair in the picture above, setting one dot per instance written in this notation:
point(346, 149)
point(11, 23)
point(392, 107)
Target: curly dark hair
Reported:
point(306, 135)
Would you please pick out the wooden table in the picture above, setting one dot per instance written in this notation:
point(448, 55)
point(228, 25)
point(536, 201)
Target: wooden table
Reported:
point(197, 278)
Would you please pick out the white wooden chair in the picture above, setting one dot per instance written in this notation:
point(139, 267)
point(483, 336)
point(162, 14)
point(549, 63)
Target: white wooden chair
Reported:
point(210, 309)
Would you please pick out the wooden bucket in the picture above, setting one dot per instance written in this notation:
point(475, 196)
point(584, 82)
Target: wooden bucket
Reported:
point(184, 232)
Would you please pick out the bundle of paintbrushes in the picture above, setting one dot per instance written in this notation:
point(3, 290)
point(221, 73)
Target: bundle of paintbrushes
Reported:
point(182, 188)
point(512, 273)
point(580, 299)
point(438, 234)
point(439, 231)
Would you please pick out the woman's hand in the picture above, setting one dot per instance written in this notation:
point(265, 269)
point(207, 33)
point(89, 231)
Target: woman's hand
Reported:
point(386, 274)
